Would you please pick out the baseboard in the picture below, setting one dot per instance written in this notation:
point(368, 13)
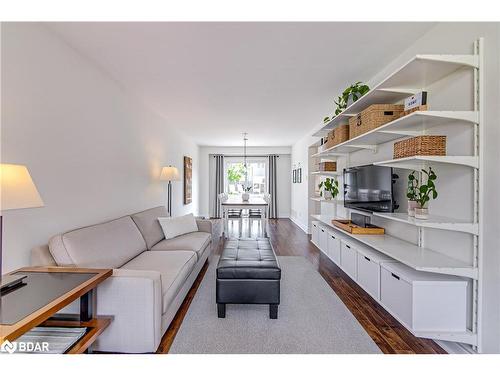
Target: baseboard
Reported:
point(300, 225)
point(454, 347)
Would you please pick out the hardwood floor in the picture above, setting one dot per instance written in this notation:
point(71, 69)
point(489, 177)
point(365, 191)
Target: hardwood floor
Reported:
point(288, 239)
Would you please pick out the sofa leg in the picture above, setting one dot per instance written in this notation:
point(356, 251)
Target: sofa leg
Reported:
point(273, 311)
point(221, 310)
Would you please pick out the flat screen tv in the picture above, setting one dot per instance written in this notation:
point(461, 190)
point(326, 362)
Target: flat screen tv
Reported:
point(368, 188)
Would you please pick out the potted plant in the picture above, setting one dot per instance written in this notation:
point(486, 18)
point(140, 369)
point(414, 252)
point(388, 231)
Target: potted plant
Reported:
point(246, 193)
point(411, 193)
point(424, 194)
point(353, 92)
point(329, 188)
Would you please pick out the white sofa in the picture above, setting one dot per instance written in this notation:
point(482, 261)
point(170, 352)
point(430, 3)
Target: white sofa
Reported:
point(151, 275)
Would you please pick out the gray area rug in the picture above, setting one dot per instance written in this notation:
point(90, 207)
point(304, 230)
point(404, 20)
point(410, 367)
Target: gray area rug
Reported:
point(312, 319)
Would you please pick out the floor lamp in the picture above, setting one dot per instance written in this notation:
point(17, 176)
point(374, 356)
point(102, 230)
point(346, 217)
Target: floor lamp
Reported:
point(169, 174)
point(17, 191)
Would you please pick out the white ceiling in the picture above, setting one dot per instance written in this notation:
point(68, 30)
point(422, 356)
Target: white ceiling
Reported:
point(214, 81)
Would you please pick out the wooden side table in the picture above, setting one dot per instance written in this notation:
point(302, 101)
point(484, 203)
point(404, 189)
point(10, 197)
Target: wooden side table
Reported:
point(46, 291)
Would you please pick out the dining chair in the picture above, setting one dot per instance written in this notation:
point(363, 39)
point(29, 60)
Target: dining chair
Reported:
point(232, 213)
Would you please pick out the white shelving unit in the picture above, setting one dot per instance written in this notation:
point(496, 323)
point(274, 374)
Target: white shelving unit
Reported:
point(419, 162)
point(434, 221)
point(414, 256)
point(416, 123)
point(319, 173)
point(323, 200)
point(418, 73)
point(415, 76)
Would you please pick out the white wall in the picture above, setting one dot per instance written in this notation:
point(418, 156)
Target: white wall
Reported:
point(93, 151)
point(207, 175)
point(454, 183)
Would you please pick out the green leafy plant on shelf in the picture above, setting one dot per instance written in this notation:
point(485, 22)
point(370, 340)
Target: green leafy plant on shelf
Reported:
point(411, 192)
point(427, 190)
point(329, 185)
point(353, 92)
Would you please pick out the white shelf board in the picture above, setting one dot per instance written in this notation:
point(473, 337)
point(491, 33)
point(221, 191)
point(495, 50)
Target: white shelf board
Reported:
point(325, 173)
point(434, 221)
point(331, 201)
point(419, 162)
point(414, 76)
point(418, 258)
point(416, 123)
point(327, 219)
point(327, 155)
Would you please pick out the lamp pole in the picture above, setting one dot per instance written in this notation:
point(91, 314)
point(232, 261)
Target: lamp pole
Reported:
point(169, 197)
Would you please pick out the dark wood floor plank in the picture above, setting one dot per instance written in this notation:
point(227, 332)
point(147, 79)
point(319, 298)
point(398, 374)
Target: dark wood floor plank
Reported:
point(289, 240)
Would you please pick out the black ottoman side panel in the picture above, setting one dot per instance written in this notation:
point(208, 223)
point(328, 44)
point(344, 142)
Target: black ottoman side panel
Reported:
point(258, 291)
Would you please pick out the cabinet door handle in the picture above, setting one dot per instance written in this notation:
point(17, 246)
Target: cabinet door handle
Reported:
point(395, 276)
point(368, 259)
point(333, 237)
point(347, 246)
point(323, 230)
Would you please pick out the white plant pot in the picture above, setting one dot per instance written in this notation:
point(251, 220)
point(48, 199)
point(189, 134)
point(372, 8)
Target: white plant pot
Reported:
point(245, 197)
point(327, 195)
point(421, 213)
point(411, 208)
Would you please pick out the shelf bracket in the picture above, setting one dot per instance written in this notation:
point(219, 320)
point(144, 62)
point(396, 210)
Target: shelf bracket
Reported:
point(407, 133)
point(374, 148)
point(470, 60)
point(399, 90)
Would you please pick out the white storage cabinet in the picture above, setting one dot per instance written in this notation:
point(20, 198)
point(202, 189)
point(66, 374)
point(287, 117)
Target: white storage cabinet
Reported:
point(368, 269)
point(334, 246)
point(315, 233)
point(323, 238)
point(348, 258)
point(424, 301)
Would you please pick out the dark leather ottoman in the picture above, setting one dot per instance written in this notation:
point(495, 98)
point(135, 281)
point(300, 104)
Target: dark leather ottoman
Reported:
point(248, 272)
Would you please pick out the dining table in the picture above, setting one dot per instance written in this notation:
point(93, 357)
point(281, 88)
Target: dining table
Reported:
point(237, 203)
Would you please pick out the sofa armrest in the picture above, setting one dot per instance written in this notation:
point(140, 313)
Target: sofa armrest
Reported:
point(134, 298)
point(40, 256)
point(204, 225)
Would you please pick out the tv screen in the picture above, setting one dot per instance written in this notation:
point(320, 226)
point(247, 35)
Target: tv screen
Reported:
point(368, 188)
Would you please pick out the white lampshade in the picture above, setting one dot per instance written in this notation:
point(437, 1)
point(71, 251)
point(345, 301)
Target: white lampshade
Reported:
point(17, 188)
point(169, 174)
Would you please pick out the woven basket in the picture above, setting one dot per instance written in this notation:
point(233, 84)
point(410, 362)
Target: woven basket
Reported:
point(327, 166)
point(373, 117)
point(428, 145)
point(419, 108)
point(336, 136)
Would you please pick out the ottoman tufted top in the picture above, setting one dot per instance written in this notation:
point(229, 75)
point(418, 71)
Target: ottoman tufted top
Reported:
point(248, 259)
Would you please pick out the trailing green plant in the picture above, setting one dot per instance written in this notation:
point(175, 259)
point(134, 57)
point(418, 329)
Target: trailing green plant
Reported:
point(411, 191)
point(427, 190)
point(330, 185)
point(326, 119)
point(354, 92)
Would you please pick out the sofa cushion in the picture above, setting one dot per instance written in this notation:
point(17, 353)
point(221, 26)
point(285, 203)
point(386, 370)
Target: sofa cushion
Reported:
point(148, 224)
point(176, 226)
point(196, 241)
point(106, 245)
point(174, 268)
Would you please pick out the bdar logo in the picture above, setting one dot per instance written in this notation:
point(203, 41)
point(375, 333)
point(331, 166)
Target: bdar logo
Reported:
point(9, 347)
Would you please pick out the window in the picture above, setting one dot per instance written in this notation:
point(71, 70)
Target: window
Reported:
point(234, 180)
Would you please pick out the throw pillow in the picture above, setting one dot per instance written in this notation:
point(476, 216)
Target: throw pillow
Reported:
point(176, 226)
